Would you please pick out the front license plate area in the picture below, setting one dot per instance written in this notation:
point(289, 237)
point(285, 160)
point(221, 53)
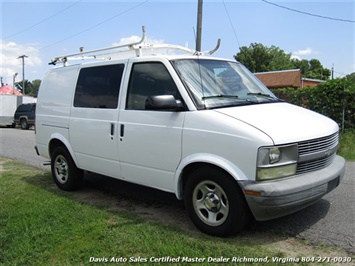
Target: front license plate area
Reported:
point(333, 184)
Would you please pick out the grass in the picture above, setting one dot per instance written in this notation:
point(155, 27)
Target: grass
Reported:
point(347, 145)
point(41, 225)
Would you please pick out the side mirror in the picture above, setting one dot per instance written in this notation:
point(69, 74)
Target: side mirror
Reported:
point(163, 103)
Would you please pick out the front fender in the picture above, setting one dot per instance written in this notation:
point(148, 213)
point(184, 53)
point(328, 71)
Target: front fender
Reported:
point(206, 158)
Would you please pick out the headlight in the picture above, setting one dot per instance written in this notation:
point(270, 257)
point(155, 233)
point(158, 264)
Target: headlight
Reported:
point(276, 162)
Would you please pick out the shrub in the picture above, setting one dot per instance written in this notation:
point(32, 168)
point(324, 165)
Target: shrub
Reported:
point(334, 98)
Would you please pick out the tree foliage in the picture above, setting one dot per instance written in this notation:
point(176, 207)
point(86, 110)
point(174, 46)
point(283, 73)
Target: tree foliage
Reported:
point(31, 88)
point(312, 69)
point(334, 98)
point(351, 77)
point(260, 58)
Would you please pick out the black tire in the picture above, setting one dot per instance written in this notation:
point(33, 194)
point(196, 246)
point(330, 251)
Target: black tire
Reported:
point(24, 124)
point(215, 202)
point(64, 171)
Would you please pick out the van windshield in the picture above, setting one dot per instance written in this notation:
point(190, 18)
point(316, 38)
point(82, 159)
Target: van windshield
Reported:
point(218, 83)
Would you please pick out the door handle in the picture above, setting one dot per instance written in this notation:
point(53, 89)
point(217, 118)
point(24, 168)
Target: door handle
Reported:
point(122, 131)
point(112, 129)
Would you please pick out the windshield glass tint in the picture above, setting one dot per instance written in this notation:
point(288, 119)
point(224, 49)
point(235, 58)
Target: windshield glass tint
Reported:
point(218, 83)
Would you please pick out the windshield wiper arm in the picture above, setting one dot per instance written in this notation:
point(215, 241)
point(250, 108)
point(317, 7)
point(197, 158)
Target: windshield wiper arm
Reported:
point(260, 94)
point(263, 95)
point(219, 96)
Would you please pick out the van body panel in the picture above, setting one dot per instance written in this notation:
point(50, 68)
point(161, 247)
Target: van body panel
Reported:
point(206, 158)
point(53, 108)
point(95, 140)
point(212, 132)
point(63, 136)
point(57, 98)
point(149, 138)
point(94, 118)
point(283, 122)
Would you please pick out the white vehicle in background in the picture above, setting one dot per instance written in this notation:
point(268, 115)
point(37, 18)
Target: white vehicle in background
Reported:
point(200, 127)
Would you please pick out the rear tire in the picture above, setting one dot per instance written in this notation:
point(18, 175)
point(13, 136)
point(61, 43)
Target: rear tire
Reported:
point(215, 203)
point(64, 171)
point(24, 124)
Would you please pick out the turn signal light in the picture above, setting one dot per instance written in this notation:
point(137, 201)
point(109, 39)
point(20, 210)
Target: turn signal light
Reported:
point(252, 193)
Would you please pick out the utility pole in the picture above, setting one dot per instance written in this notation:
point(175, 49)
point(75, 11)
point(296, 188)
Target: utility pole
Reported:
point(13, 82)
point(23, 72)
point(333, 71)
point(199, 25)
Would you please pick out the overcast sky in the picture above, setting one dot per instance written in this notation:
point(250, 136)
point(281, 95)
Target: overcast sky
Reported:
point(43, 30)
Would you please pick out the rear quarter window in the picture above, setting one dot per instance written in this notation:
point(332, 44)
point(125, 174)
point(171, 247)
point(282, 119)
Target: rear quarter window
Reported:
point(98, 87)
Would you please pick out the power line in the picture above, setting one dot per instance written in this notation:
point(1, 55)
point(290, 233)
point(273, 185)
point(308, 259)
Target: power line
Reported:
point(230, 21)
point(96, 25)
point(43, 20)
point(309, 14)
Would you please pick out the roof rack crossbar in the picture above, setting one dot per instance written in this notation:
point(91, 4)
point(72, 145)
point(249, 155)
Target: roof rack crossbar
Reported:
point(139, 51)
point(65, 57)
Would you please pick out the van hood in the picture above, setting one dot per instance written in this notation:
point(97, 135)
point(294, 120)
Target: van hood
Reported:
point(283, 122)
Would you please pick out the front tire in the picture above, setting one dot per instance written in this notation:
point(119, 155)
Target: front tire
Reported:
point(215, 203)
point(64, 171)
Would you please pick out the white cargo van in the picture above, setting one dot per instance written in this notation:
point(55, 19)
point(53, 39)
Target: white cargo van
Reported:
point(203, 128)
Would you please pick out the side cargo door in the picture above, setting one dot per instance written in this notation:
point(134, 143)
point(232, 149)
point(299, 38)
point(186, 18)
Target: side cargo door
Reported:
point(150, 140)
point(94, 119)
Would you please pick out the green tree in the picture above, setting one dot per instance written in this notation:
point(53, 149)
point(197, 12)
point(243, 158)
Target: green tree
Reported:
point(303, 65)
point(312, 69)
point(260, 58)
point(35, 87)
point(351, 77)
point(31, 88)
point(28, 86)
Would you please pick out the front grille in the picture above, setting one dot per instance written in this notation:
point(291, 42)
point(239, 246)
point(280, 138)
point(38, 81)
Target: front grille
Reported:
point(317, 153)
point(318, 164)
point(317, 145)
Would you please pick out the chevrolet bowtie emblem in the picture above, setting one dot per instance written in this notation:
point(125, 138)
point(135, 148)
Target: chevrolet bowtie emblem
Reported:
point(328, 152)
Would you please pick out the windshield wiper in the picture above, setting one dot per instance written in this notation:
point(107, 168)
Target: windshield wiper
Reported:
point(260, 94)
point(219, 96)
point(263, 95)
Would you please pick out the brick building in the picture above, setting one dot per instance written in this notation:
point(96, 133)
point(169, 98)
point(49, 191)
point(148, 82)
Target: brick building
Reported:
point(286, 79)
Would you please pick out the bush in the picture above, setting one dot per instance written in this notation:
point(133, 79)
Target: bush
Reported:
point(334, 98)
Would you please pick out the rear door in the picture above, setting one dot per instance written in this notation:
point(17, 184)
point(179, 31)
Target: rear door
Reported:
point(150, 141)
point(94, 119)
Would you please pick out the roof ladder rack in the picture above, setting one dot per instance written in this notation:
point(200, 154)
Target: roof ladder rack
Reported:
point(64, 58)
point(137, 47)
